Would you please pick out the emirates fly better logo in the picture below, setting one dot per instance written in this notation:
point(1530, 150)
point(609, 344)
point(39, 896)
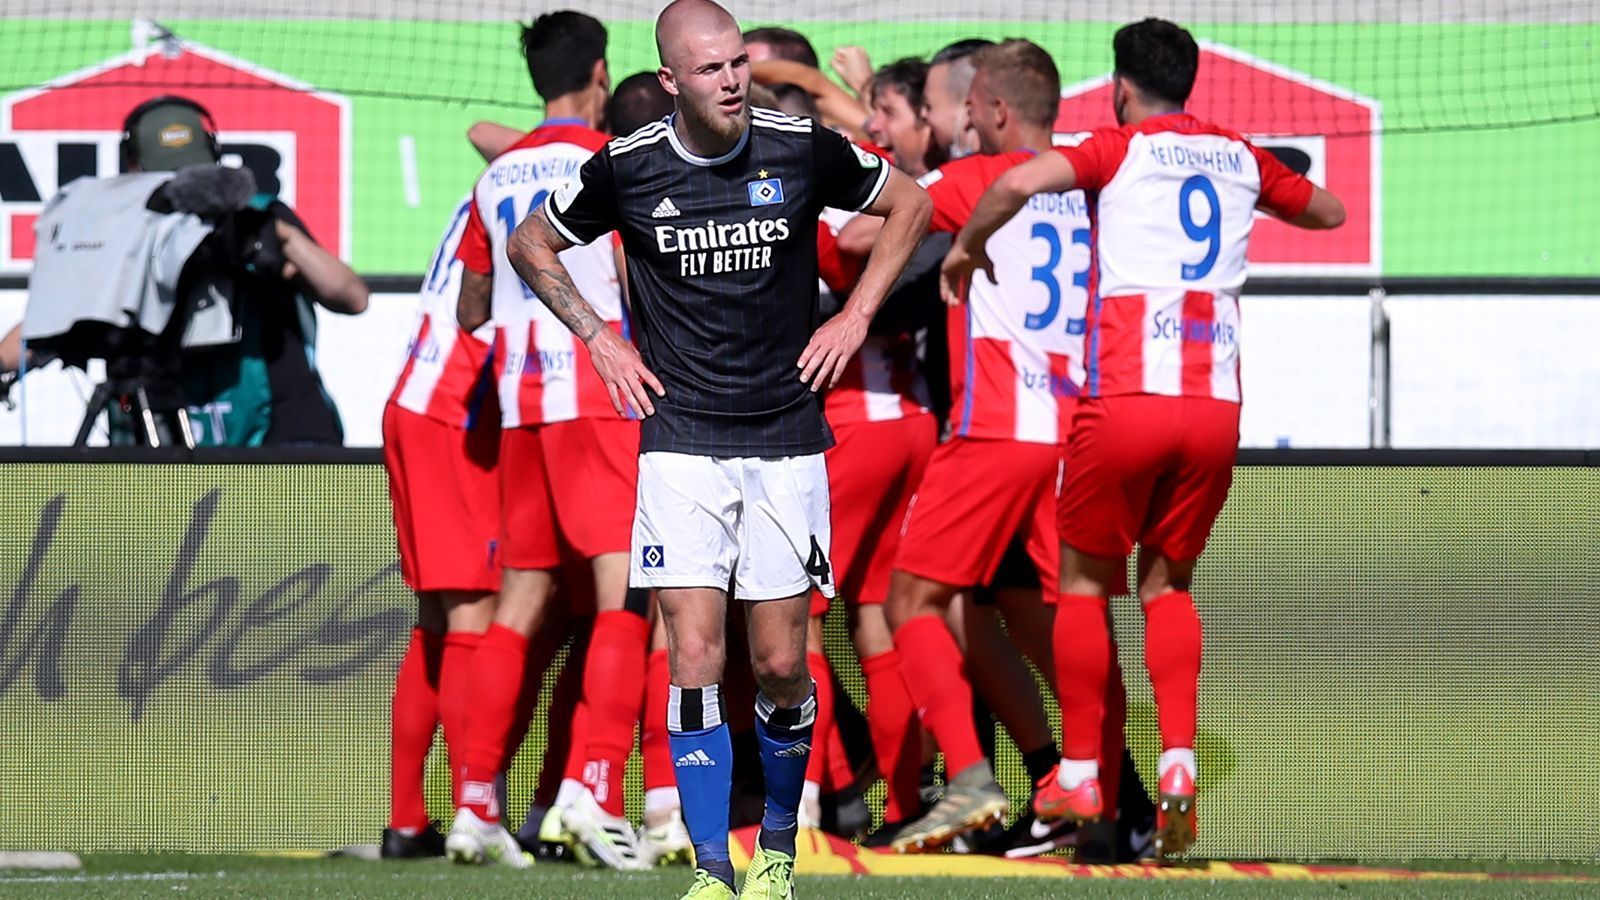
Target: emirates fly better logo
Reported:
point(293, 138)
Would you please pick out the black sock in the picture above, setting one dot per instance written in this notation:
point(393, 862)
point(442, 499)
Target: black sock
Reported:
point(1039, 762)
point(778, 841)
point(720, 869)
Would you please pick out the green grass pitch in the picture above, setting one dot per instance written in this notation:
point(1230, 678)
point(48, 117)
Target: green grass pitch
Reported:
point(186, 876)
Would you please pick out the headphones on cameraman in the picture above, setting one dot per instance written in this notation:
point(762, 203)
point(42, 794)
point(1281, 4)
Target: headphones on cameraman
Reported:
point(130, 152)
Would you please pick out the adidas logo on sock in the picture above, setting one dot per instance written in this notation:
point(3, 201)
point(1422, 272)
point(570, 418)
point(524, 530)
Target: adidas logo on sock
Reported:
point(665, 209)
point(797, 750)
point(697, 757)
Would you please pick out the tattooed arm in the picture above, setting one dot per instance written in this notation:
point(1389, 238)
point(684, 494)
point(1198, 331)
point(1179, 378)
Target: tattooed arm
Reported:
point(532, 251)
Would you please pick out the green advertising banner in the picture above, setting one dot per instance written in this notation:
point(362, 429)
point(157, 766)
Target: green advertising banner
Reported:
point(1465, 150)
point(1400, 662)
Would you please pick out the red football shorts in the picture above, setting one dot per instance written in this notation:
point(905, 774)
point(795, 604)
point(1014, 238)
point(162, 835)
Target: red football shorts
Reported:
point(567, 486)
point(975, 496)
point(446, 497)
point(1149, 470)
point(873, 469)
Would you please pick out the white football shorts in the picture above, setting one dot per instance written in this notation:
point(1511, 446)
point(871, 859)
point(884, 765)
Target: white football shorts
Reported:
point(761, 526)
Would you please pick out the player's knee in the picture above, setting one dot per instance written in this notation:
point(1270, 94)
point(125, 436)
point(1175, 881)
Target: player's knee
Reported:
point(871, 634)
point(912, 595)
point(1165, 577)
point(696, 659)
point(782, 673)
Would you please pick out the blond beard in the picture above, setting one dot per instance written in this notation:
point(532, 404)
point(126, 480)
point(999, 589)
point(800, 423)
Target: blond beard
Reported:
point(725, 129)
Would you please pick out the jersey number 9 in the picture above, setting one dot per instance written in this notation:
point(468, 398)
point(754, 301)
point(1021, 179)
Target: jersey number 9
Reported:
point(1210, 231)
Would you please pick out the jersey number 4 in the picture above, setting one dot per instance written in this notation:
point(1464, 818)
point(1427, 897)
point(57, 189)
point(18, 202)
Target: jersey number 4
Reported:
point(817, 566)
point(1046, 274)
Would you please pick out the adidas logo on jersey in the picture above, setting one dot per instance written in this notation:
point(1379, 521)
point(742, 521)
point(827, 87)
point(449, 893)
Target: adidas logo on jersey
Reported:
point(665, 209)
point(696, 758)
point(795, 752)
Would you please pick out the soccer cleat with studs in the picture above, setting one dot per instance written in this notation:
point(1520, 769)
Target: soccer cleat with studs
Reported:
point(666, 844)
point(602, 839)
point(971, 801)
point(1175, 814)
point(708, 887)
point(1083, 803)
point(424, 844)
point(472, 841)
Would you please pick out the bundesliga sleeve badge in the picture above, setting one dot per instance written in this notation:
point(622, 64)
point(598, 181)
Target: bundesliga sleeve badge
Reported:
point(867, 158)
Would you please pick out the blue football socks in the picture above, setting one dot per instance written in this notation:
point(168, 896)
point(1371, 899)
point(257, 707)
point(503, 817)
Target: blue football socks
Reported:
point(702, 756)
point(785, 737)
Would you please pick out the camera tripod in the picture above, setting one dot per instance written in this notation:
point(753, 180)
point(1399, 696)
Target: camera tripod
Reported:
point(160, 416)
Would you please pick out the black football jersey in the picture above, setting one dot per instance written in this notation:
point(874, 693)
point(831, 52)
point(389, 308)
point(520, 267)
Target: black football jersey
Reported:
point(722, 273)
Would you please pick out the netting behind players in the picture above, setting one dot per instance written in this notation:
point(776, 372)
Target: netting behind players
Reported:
point(1456, 132)
point(1401, 662)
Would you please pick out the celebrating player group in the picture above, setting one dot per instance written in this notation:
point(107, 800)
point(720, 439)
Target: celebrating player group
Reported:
point(702, 355)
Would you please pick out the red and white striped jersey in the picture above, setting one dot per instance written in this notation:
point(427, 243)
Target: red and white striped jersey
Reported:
point(1016, 345)
point(447, 370)
point(1174, 202)
point(882, 381)
point(544, 370)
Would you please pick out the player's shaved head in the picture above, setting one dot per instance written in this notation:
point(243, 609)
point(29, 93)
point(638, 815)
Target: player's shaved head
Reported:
point(685, 22)
point(706, 69)
point(948, 82)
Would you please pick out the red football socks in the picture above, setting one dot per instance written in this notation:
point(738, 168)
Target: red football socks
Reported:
point(936, 676)
point(613, 687)
point(413, 718)
point(455, 699)
point(896, 737)
point(1082, 648)
point(496, 679)
point(654, 746)
point(1172, 642)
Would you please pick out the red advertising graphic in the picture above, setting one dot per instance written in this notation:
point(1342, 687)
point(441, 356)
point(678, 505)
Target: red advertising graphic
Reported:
point(1326, 132)
point(296, 140)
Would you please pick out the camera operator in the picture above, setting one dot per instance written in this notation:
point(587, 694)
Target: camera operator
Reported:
point(222, 304)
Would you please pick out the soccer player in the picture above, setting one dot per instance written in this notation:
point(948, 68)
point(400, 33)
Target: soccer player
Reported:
point(439, 450)
point(881, 415)
point(1153, 443)
point(945, 97)
point(568, 464)
point(1016, 358)
point(884, 431)
point(638, 100)
point(773, 42)
point(717, 209)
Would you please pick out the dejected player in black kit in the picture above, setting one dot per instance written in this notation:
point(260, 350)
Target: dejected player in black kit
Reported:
point(717, 209)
